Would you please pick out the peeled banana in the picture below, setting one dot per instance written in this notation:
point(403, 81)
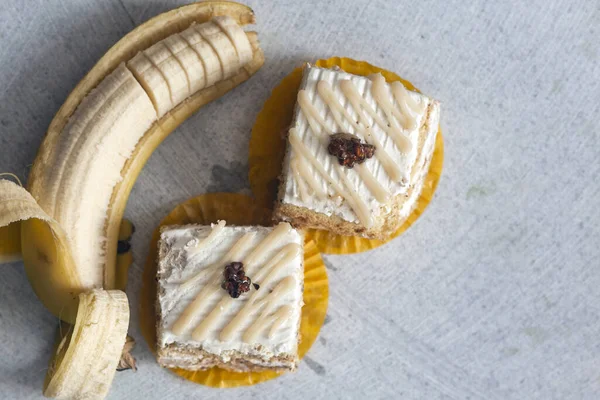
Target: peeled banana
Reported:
point(138, 93)
point(87, 163)
point(87, 356)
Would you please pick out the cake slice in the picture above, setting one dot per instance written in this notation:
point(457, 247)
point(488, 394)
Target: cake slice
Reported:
point(357, 154)
point(229, 297)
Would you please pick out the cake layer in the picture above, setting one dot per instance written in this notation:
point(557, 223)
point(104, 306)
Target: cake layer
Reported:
point(194, 359)
point(198, 317)
point(400, 124)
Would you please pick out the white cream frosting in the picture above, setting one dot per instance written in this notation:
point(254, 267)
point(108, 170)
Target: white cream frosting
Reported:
point(185, 255)
point(295, 192)
point(423, 161)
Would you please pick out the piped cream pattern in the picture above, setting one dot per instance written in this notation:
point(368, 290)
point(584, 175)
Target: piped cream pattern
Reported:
point(210, 318)
point(385, 115)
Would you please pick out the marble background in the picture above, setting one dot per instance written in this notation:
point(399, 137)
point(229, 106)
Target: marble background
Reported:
point(493, 294)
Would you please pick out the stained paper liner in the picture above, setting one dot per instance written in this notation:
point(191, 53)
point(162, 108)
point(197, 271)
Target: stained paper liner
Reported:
point(236, 209)
point(267, 149)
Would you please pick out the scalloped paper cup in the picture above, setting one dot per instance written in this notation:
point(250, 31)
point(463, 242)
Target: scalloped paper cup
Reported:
point(236, 209)
point(267, 149)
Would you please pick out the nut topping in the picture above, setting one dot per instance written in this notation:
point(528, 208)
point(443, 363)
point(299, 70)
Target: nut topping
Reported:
point(349, 150)
point(236, 282)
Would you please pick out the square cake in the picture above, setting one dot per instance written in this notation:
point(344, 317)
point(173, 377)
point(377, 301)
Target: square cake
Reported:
point(229, 296)
point(357, 154)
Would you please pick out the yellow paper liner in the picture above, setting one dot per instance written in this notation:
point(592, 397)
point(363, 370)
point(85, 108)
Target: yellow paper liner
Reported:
point(236, 209)
point(267, 149)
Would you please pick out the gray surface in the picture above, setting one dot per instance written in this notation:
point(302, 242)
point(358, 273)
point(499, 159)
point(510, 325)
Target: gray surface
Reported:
point(493, 294)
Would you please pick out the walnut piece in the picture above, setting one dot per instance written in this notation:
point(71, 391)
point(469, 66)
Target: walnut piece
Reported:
point(235, 280)
point(349, 150)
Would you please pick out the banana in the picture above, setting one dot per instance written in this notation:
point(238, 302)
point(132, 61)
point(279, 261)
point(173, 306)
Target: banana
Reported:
point(189, 60)
point(237, 37)
point(95, 144)
point(153, 138)
point(222, 45)
point(86, 359)
point(136, 95)
point(153, 82)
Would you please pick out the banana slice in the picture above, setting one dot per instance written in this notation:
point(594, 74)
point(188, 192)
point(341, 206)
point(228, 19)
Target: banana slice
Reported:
point(210, 59)
point(237, 36)
point(190, 61)
point(176, 46)
point(169, 66)
point(222, 45)
point(86, 359)
point(153, 82)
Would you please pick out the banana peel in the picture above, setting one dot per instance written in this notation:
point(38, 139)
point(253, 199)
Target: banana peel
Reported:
point(10, 243)
point(47, 255)
point(124, 254)
point(48, 262)
point(87, 356)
